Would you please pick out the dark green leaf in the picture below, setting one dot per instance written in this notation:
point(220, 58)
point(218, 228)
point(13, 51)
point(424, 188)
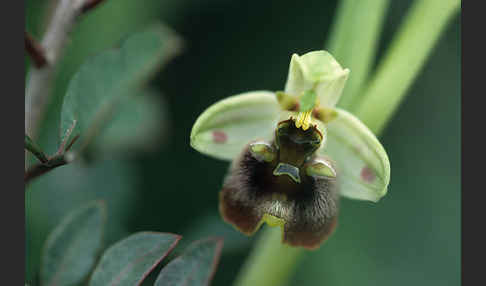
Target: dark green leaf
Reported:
point(130, 260)
point(96, 90)
point(137, 125)
point(195, 267)
point(55, 194)
point(72, 247)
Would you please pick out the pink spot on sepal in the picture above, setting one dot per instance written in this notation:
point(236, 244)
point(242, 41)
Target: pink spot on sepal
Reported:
point(367, 174)
point(219, 136)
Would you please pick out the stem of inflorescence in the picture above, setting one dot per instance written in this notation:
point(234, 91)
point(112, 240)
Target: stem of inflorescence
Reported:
point(271, 262)
point(403, 61)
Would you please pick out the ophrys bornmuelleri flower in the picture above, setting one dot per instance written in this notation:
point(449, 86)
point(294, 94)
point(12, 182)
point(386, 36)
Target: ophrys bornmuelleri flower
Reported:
point(293, 153)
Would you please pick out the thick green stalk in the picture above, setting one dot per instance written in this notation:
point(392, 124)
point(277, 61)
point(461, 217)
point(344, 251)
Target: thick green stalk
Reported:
point(353, 42)
point(401, 64)
point(270, 262)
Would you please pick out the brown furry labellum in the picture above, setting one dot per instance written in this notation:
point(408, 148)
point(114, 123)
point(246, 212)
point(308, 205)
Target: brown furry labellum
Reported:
point(285, 181)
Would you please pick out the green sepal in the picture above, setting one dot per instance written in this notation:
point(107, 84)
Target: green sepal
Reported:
point(361, 161)
point(223, 130)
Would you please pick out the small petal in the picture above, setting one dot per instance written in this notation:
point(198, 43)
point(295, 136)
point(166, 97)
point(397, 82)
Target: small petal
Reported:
point(306, 211)
point(363, 168)
point(319, 71)
point(263, 151)
point(224, 129)
point(320, 168)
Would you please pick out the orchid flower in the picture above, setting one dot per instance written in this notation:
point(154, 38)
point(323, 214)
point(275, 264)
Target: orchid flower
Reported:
point(293, 153)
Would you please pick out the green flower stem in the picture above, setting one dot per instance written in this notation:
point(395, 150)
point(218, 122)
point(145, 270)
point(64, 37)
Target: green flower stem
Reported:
point(353, 41)
point(404, 59)
point(270, 262)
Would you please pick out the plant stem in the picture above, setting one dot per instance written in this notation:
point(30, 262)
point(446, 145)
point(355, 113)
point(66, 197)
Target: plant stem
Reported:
point(35, 51)
point(90, 4)
point(46, 56)
point(353, 41)
point(42, 168)
point(270, 262)
point(40, 80)
point(401, 64)
point(35, 149)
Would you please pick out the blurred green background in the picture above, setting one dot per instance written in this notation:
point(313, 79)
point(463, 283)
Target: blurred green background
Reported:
point(411, 237)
